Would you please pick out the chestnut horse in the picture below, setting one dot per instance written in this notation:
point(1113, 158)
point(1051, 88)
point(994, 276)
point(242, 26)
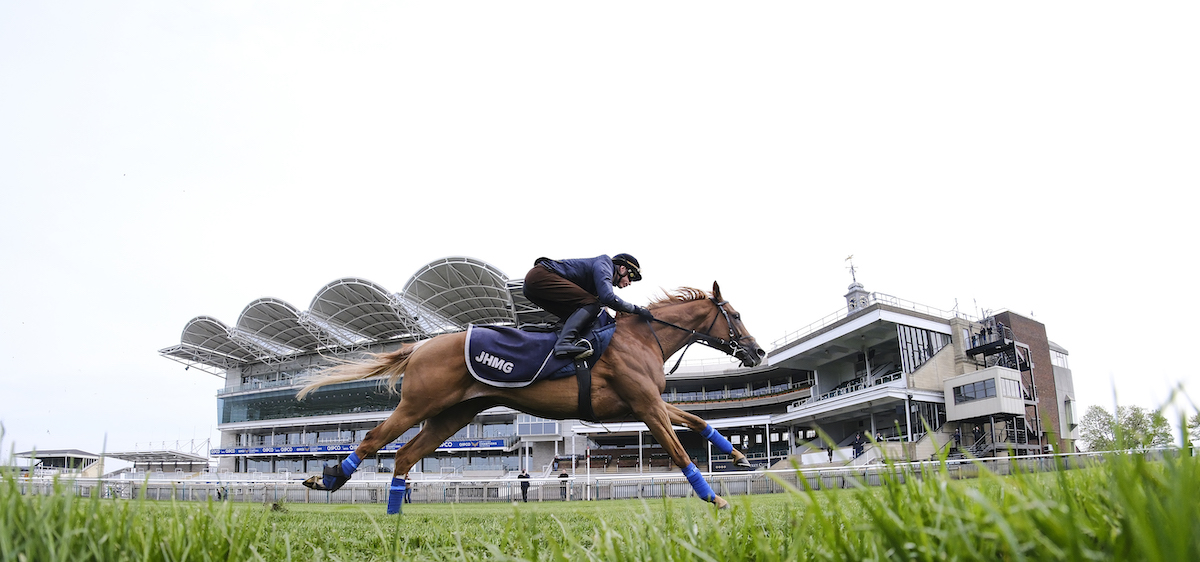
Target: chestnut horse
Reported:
point(627, 381)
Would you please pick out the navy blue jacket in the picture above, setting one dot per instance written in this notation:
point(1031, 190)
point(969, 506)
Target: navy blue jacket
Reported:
point(594, 275)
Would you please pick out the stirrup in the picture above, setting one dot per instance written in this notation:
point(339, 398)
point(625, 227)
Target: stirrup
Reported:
point(581, 349)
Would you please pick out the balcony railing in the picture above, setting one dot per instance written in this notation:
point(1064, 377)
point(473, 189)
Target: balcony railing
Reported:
point(875, 298)
point(258, 385)
point(734, 394)
point(855, 385)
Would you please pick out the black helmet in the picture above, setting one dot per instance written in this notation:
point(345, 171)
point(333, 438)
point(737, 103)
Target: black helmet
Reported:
point(631, 265)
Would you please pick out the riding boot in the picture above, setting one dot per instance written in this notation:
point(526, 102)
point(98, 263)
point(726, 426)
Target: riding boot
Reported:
point(570, 343)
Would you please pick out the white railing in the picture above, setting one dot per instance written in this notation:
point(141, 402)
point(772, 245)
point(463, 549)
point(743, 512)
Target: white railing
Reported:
point(259, 385)
point(849, 389)
point(370, 489)
point(875, 298)
point(735, 393)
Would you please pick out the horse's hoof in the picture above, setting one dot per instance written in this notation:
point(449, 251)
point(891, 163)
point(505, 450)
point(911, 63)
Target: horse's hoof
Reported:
point(743, 462)
point(332, 478)
point(314, 483)
point(721, 503)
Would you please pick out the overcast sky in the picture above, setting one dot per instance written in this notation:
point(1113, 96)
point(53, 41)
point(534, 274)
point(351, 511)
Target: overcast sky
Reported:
point(165, 160)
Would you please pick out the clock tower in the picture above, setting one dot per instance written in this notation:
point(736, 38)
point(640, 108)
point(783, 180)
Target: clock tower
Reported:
point(858, 298)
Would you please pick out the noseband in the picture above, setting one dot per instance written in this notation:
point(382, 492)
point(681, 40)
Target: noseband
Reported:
point(732, 346)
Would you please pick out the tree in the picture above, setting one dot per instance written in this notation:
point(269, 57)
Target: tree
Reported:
point(1097, 430)
point(1144, 428)
point(1133, 427)
point(1193, 424)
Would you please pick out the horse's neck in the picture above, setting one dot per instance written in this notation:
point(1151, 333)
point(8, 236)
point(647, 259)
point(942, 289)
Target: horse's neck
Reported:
point(694, 315)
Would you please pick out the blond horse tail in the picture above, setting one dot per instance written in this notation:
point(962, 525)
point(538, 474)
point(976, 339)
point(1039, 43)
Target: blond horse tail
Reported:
point(376, 365)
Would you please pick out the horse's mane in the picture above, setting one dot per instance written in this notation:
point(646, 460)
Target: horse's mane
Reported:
point(680, 295)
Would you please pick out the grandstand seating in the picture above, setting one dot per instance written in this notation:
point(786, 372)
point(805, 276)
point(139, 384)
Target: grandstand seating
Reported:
point(627, 462)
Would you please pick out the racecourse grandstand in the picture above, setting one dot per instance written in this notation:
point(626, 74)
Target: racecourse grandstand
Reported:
point(879, 375)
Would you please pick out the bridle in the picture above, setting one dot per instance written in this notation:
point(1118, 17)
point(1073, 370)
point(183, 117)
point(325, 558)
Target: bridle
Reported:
point(732, 346)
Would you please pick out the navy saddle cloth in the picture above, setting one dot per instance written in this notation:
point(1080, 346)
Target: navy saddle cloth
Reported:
point(513, 358)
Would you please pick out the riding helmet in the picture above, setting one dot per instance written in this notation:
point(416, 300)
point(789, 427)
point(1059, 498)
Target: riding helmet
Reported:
point(631, 264)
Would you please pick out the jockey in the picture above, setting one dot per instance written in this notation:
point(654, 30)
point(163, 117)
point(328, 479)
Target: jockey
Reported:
point(573, 290)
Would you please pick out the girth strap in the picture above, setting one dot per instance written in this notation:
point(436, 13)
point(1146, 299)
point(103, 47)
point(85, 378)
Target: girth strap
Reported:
point(583, 374)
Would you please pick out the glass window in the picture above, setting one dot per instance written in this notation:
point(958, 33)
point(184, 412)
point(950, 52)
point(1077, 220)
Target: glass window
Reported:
point(930, 414)
point(259, 465)
point(917, 346)
point(1011, 388)
point(329, 437)
point(1059, 359)
point(314, 465)
point(289, 465)
point(975, 391)
point(345, 398)
point(498, 430)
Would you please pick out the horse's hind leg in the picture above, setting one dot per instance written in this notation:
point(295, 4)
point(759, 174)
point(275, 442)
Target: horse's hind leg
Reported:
point(697, 424)
point(403, 417)
point(435, 432)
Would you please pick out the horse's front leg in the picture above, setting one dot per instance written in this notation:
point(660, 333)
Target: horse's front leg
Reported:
point(659, 421)
point(697, 424)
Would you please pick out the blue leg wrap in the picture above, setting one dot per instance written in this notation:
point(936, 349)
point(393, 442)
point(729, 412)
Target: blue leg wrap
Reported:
point(395, 495)
point(698, 483)
point(348, 466)
point(717, 439)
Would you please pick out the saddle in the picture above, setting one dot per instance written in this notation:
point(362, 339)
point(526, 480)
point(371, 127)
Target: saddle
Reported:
point(513, 358)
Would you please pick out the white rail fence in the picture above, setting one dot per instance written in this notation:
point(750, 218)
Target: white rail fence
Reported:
point(232, 487)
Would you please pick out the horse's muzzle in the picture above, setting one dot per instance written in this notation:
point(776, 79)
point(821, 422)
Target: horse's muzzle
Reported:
point(751, 356)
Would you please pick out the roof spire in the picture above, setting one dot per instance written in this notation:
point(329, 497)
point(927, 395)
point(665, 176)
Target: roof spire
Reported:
point(858, 298)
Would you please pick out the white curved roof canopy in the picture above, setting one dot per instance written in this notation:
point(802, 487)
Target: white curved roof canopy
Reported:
point(463, 291)
point(205, 332)
point(275, 325)
point(363, 308)
point(446, 295)
point(206, 344)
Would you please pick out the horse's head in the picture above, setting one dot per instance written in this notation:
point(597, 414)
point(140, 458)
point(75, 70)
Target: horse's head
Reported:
point(741, 344)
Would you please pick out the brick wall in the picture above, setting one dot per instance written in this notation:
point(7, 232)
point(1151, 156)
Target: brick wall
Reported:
point(1033, 334)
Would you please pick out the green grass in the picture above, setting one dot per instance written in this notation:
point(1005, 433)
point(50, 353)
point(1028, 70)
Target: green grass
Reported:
point(1127, 508)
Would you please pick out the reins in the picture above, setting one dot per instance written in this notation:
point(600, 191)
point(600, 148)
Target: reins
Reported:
point(729, 347)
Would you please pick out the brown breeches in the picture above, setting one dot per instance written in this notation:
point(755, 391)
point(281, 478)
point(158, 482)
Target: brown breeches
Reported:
point(554, 293)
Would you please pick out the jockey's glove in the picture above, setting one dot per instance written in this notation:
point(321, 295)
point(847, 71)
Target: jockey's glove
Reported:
point(643, 312)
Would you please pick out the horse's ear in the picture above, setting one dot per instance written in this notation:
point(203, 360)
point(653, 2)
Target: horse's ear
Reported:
point(717, 292)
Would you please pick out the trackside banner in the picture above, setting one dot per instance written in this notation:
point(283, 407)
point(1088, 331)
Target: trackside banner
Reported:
point(473, 444)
